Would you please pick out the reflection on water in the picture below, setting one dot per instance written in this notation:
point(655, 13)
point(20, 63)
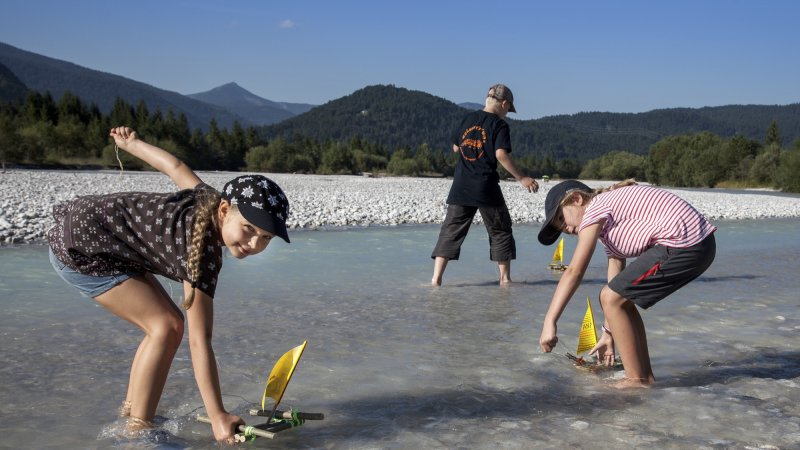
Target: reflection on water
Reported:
point(394, 363)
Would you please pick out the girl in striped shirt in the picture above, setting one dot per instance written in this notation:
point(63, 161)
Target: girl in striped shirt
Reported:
point(672, 244)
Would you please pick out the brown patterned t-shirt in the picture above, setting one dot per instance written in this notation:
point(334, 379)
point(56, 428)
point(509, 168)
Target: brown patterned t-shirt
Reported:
point(125, 232)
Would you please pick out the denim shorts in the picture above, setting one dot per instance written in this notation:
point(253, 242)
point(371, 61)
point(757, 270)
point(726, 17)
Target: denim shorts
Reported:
point(89, 285)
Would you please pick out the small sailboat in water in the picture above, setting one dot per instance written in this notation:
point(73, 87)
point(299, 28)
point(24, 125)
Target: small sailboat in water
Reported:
point(558, 257)
point(587, 339)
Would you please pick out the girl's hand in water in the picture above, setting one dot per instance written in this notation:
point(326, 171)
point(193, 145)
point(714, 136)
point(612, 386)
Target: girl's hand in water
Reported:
point(225, 426)
point(548, 339)
point(604, 350)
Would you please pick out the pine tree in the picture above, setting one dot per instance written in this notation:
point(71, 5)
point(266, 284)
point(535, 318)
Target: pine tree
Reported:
point(773, 135)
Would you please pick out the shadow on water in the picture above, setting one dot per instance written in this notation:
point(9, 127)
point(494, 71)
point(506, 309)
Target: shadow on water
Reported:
point(440, 409)
point(712, 279)
point(602, 281)
point(544, 282)
point(763, 363)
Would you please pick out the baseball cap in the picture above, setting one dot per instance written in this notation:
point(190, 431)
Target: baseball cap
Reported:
point(502, 92)
point(548, 233)
point(261, 201)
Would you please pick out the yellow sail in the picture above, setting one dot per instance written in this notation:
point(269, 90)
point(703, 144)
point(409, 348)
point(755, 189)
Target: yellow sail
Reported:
point(558, 257)
point(587, 338)
point(280, 375)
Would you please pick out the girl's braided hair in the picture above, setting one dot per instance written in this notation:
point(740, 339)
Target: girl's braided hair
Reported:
point(204, 217)
point(590, 194)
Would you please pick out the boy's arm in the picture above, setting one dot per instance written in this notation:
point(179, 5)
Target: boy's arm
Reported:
point(505, 160)
point(161, 160)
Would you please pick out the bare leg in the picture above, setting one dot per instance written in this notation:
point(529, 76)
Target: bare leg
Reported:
point(142, 301)
point(125, 409)
point(630, 338)
point(505, 271)
point(439, 264)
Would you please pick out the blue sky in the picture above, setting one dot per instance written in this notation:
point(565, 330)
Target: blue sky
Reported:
point(559, 57)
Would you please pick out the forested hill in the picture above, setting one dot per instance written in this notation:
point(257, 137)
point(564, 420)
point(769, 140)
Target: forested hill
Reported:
point(391, 116)
point(398, 117)
point(633, 131)
point(44, 74)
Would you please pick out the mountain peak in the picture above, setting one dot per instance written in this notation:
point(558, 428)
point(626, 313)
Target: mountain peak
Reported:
point(248, 105)
point(229, 88)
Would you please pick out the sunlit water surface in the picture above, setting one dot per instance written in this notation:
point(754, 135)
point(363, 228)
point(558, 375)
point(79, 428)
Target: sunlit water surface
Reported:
point(394, 363)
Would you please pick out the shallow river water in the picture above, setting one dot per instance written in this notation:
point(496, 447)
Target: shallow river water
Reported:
point(394, 363)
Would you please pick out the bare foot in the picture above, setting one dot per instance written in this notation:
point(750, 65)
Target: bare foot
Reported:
point(135, 425)
point(436, 282)
point(505, 282)
point(633, 383)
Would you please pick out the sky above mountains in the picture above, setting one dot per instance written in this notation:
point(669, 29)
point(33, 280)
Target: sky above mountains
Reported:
point(557, 57)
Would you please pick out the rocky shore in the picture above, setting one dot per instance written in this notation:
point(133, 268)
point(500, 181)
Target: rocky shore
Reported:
point(320, 201)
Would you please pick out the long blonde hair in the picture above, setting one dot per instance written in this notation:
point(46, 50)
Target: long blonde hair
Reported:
point(587, 196)
point(205, 216)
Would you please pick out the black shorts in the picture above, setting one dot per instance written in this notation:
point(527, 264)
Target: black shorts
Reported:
point(456, 225)
point(660, 271)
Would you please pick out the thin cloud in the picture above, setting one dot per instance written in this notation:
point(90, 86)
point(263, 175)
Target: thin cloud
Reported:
point(288, 23)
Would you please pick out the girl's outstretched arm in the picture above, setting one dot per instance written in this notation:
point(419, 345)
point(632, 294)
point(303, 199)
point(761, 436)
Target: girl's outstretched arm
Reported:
point(570, 280)
point(201, 318)
point(163, 161)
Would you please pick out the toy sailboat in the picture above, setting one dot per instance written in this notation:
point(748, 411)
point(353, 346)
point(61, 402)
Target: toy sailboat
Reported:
point(558, 257)
point(276, 385)
point(587, 339)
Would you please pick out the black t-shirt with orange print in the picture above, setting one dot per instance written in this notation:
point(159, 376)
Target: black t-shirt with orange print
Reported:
point(476, 182)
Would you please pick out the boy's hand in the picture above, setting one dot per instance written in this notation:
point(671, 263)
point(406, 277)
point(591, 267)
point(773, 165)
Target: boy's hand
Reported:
point(123, 136)
point(530, 184)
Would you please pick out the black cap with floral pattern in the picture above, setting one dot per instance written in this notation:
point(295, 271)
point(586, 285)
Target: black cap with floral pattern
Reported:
point(261, 201)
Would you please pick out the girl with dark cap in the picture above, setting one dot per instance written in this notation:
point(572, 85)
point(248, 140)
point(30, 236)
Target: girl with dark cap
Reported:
point(110, 246)
point(672, 243)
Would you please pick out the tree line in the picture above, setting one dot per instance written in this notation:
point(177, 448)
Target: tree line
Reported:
point(398, 117)
point(40, 131)
point(706, 160)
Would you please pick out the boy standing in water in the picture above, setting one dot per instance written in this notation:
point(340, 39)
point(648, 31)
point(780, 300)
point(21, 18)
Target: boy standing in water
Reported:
point(481, 140)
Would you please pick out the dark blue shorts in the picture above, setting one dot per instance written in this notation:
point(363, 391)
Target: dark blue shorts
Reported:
point(660, 271)
point(88, 285)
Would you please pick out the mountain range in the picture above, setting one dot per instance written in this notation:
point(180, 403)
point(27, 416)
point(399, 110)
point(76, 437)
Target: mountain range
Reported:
point(390, 115)
point(398, 117)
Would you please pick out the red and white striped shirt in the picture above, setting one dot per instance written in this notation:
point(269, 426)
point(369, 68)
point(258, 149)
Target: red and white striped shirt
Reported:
point(639, 217)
